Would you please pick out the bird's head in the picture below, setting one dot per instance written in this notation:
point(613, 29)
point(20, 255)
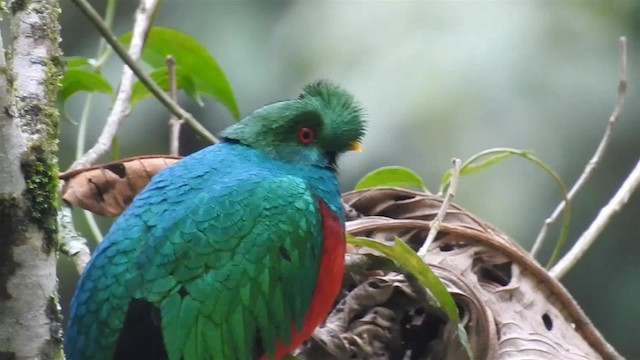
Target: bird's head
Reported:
point(323, 122)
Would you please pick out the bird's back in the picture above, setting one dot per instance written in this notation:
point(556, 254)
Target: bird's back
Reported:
point(118, 271)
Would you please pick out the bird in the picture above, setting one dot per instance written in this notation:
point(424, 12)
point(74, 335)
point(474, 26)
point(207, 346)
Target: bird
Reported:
point(234, 252)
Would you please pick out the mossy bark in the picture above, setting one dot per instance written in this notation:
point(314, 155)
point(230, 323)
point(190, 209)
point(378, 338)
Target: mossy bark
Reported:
point(30, 321)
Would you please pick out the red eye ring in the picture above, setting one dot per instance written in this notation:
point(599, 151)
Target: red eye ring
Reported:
point(306, 135)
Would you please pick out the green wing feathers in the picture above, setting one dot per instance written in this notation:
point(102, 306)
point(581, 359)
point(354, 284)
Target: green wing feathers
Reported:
point(238, 279)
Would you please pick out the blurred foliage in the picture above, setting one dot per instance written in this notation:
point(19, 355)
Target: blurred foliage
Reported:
point(438, 80)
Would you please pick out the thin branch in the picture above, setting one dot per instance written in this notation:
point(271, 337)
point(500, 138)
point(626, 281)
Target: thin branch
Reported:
point(142, 23)
point(174, 123)
point(103, 49)
point(597, 156)
point(604, 217)
point(72, 244)
point(437, 221)
point(143, 15)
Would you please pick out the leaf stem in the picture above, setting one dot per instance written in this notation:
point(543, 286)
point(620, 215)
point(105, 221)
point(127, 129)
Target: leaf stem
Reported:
point(103, 50)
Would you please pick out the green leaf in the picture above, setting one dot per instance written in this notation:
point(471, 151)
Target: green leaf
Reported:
point(193, 58)
point(472, 168)
point(496, 155)
point(76, 62)
point(391, 176)
point(406, 258)
point(184, 81)
point(75, 80)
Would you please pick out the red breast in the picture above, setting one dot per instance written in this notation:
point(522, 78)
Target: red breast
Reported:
point(328, 283)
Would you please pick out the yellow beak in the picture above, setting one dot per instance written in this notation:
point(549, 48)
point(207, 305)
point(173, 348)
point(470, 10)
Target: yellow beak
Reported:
point(356, 146)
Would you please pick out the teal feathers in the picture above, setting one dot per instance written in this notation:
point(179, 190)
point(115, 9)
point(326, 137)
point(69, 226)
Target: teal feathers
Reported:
point(218, 257)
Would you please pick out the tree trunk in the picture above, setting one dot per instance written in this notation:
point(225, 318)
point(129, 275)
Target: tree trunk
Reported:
point(30, 321)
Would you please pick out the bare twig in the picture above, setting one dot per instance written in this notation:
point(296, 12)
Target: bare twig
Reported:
point(597, 156)
point(131, 61)
point(72, 244)
point(437, 221)
point(604, 217)
point(174, 123)
point(142, 23)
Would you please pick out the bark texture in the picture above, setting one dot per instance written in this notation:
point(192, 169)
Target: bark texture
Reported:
point(30, 322)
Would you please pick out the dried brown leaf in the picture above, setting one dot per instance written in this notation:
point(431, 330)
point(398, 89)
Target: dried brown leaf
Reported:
point(107, 189)
point(509, 305)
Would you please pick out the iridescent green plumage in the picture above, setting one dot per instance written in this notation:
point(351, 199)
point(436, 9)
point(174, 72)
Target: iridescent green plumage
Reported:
point(219, 256)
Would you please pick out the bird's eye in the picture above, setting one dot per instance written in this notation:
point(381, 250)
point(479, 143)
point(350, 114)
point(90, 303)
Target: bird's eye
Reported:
point(306, 135)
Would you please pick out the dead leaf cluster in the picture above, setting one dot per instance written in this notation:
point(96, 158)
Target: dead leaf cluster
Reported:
point(509, 305)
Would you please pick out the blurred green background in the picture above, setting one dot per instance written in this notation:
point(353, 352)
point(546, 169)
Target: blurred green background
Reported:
point(438, 80)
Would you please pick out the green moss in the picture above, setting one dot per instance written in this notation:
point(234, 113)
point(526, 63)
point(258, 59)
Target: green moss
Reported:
point(39, 164)
point(40, 116)
point(40, 168)
point(37, 204)
point(41, 176)
point(50, 114)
